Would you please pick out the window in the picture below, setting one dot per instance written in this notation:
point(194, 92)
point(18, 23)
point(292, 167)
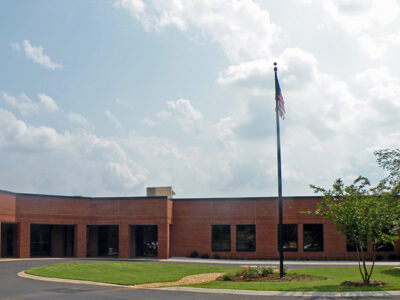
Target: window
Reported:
point(351, 245)
point(313, 237)
point(384, 247)
point(289, 237)
point(245, 238)
point(221, 238)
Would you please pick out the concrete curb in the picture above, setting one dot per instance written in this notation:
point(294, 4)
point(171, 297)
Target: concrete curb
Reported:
point(280, 293)
point(33, 259)
point(222, 291)
point(74, 281)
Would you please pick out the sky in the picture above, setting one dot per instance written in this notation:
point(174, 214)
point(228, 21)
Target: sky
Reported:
point(108, 97)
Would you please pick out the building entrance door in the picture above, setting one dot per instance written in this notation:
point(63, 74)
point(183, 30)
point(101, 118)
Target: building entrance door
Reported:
point(9, 236)
point(52, 240)
point(146, 240)
point(102, 240)
point(41, 240)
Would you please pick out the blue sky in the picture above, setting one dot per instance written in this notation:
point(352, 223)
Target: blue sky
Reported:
point(104, 98)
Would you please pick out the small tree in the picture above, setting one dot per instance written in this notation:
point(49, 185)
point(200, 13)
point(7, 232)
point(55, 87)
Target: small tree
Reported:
point(389, 160)
point(362, 213)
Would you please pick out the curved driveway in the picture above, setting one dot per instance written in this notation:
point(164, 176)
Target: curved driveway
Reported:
point(13, 287)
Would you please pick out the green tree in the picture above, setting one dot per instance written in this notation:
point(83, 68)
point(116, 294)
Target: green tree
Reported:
point(389, 160)
point(363, 214)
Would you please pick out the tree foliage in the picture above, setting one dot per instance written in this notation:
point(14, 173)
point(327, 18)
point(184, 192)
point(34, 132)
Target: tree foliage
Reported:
point(363, 214)
point(389, 160)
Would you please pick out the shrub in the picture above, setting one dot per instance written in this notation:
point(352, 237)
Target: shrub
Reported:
point(393, 257)
point(216, 256)
point(266, 271)
point(194, 254)
point(227, 276)
point(247, 273)
point(205, 255)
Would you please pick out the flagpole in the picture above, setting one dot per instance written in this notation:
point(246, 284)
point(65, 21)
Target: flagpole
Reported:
point(278, 150)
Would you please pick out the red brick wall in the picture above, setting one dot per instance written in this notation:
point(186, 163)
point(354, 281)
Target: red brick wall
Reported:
point(7, 207)
point(192, 221)
point(94, 211)
point(184, 225)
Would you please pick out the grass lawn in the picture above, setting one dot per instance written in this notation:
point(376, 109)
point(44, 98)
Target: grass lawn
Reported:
point(126, 273)
point(332, 277)
point(129, 273)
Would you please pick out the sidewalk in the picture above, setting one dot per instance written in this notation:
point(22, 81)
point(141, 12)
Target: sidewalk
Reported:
point(374, 294)
point(289, 263)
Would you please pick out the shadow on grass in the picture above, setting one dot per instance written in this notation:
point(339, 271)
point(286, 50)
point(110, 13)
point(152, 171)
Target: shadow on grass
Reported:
point(392, 272)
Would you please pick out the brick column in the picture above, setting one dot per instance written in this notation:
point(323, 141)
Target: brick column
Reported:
point(24, 240)
point(163, 240)
point(124, 244)
point(300, 238)
point(233, 239)
point(80, 240)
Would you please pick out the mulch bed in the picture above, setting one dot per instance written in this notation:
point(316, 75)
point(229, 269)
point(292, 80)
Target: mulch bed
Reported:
point(275, 278)
point(360, 284)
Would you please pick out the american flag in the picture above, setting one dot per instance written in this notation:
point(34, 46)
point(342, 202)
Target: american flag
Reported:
point(279, 98)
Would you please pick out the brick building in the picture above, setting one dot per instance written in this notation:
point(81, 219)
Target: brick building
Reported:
point(35, 225)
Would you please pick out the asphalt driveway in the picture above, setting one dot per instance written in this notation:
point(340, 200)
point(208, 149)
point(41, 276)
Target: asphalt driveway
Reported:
point(13, 287)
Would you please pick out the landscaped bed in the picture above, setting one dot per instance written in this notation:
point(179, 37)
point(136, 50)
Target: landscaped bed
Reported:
point(133, 273)
point(314, 279)
point(263, 274)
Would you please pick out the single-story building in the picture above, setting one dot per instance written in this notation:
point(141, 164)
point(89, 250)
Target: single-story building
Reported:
point(158, 225)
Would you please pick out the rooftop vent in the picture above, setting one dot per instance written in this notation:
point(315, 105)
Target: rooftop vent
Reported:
point(160, 191)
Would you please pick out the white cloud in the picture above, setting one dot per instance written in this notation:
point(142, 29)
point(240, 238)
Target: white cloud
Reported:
point(163, 115)
point(242, 28)
point(121, 177)
point(383, 95)
point(297, 68)
point(77, 118)
point(184, 107)
point(67, 160)
point(149, 122)
point(124, 103)
point(328, 128)
point(26, 106)
point(188, 117)
point(22, 103)
point(113, 119)
point(374, 23)
point(47, 103)
point(160, 117)
point(17, 135)
point(35, 54)
point(15, 47)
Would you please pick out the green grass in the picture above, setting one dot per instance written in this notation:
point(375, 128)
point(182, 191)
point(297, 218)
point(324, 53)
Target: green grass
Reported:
point(331, 279)
point(125, 273)
point(129, 273)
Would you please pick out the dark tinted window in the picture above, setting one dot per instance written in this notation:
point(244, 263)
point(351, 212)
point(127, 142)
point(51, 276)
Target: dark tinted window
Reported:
point(313, 237)
point(246, 238)
point(351, 245)
point(221, 238)
point(289, 237)
point(384, 247)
